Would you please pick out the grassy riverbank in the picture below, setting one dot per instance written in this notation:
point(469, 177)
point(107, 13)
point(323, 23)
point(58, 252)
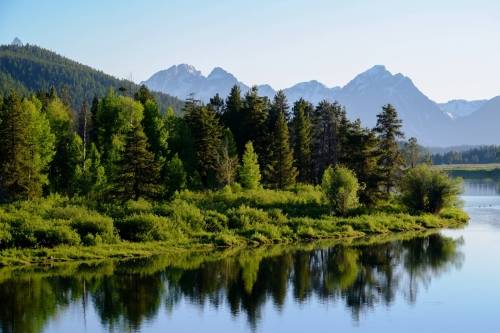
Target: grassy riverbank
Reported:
point(489, 170)
point(58, 229)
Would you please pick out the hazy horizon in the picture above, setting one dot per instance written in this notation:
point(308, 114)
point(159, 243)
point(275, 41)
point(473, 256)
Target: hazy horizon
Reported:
point(449, 49)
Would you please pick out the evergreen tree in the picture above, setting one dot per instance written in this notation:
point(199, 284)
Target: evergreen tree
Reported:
point(360, 154)
point(389, 132)
point(232, 117)
point(26, 148)
point(253, 125)
point(249, 173)
point(280, 170)
point(326, 121)
point(217, 104)
point(137, 172)
point(175, 177)
point(206, 132)
point(302, 139)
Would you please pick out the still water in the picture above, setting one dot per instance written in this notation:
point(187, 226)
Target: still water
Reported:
point(442, 282)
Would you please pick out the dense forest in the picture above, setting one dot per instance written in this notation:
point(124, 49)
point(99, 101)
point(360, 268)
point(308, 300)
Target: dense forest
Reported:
point(31, 68)
point(122, 147)
point(477, 155)
point(244, 169)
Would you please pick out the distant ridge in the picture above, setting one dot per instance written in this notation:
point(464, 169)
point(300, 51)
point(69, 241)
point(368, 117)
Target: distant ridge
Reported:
point(29, 68)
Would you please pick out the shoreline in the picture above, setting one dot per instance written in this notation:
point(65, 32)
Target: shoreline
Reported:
point(125, 250)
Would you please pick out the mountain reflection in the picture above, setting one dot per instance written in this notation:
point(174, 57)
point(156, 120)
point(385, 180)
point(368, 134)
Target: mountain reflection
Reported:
point(127, 294)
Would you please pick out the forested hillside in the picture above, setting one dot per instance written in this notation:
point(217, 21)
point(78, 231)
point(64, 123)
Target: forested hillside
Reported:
point(32, 68)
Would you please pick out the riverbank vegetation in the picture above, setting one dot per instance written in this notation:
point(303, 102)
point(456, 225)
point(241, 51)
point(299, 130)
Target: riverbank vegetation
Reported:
point(229, 173)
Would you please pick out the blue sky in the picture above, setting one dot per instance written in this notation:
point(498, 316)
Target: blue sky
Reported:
point(451, 49)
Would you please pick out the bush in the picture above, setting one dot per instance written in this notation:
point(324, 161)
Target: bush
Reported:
point(244, 217)
point(57, 235)
point(5, 235)
point(144, 227)
point(182, 212)
point(340, 187)
point(424, 189)
point(94, 224)
point(138, 206)
point(215, 221)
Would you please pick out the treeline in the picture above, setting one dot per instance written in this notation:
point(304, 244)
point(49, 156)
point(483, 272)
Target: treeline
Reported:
point(121, 148)
point(478, 155)
point(31, 68)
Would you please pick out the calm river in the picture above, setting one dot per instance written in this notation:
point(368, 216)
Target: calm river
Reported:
point(443, 282)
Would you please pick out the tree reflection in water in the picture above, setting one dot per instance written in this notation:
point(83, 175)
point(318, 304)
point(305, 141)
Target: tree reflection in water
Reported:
point(126, 294)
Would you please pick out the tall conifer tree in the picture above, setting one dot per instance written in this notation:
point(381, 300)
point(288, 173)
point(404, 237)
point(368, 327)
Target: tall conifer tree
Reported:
point(302, 139)
point(389, 132)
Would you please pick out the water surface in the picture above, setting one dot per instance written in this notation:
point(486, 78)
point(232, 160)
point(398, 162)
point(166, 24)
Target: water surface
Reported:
point(442, 282)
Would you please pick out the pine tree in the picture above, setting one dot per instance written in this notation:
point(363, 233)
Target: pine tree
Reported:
point(206, 132)
point(360, 154)
point(253, 125)
point(232, 117)
point(26, 148)
point(302, 139)
point(280, 170)
point(389, 132)
point(249, 173)
point(217, 104)
point(137, 172)
point(326, 121)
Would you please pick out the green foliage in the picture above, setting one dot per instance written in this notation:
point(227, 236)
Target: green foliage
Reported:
point(31, 69)
point(391, 160)
point(302, 139)
point(26, 148)
point(249, 173)
point(175, 177)
point(424, 189)
point(206, 131)
point(145, 227)
point(182, 213)
point(137, 172)
point(280, 170)
point(340, 187)
point(227, 160)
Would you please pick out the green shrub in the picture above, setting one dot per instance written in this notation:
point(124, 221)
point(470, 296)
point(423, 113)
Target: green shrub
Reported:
point(277, 216)
point(244, 217)
point(340, 187)
point(425, 189)
point(94, 224)
point(57, 235)
point(182, 212)
point(215, 221)
point(144, 227)
point(138, 206)
point(5, 235)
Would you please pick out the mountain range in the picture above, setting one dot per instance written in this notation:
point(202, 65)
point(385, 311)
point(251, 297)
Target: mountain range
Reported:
point(434, 124)
point(29, 68)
